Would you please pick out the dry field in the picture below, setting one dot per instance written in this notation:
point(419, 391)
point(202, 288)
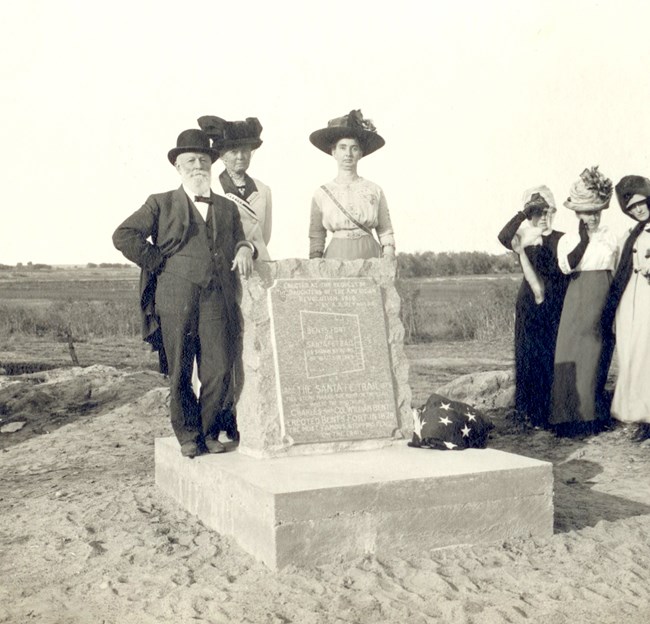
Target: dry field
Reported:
point(99, 307)
point(46, 286)
point(85, 537)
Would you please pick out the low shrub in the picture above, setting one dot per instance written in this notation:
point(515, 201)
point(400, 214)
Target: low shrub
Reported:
point(490, 316)
point(411, 311)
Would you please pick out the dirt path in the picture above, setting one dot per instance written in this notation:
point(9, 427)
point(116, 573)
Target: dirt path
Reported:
point(85, 537)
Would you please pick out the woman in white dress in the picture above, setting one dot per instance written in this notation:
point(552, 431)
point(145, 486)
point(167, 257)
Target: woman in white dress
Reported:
point(628, 304)
point(584, 350)
point(349, 207)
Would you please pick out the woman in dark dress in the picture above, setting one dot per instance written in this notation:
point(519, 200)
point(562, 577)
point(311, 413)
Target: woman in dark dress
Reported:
point(539, 303)
point(584, 349)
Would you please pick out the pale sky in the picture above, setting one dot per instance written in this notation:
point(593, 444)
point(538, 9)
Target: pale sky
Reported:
point(477, 100)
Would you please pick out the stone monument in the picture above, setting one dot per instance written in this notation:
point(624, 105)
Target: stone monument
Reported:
point(324, 366)
point(323, 470)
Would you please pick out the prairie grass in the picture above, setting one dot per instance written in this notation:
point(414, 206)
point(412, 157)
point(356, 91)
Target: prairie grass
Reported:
point(467, 309)
point(82, 320)
point(89, 304)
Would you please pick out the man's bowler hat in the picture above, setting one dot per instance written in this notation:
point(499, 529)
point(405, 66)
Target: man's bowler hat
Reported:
point(192, 140)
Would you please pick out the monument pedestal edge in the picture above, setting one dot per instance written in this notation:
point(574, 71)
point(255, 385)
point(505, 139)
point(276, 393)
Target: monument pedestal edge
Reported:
point(395, 501)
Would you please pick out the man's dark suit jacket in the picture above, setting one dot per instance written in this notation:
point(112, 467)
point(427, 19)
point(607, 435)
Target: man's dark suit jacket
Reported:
point(165, 219)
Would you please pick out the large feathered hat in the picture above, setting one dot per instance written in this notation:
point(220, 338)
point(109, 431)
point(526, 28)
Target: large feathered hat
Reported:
point(351, 125)
point(227, 135)
point(591, 191)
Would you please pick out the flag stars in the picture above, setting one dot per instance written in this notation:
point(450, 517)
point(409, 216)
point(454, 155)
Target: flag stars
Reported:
point(470, 416)
point(445, 421)
point(417, 423)
point(450, 445)
point(466, 431)
point(445, 406)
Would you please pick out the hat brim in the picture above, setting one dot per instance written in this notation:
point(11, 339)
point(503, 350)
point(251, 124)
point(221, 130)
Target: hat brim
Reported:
point(325, 138)
point(631, 186)
point(585, 207)
point(224, 146)
point(173, 154)
point(635, 199)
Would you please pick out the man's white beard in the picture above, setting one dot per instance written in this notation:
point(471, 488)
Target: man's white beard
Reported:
point(199, 184)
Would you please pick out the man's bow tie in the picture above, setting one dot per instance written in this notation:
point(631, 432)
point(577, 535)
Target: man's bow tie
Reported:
point(199, 198)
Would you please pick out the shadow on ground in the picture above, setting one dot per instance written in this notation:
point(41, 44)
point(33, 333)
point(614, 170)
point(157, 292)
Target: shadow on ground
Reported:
point(579, 505)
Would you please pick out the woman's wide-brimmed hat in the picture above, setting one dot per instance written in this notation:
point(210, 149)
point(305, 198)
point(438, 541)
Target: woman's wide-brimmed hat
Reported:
point(351, 125)
point(544, 192)
point(632, 189)
point(192, 140)
point(591, 191)
point(227, 135)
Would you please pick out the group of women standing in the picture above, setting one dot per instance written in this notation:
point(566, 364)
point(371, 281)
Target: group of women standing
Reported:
point(349, 208)
point(576, 287)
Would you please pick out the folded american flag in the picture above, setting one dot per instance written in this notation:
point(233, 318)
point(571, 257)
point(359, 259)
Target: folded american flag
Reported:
point(449, 425)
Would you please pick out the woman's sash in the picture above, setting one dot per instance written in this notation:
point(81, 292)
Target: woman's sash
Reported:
point(340, 206)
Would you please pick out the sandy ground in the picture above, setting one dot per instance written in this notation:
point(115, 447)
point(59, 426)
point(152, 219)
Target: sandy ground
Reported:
point(86, 537)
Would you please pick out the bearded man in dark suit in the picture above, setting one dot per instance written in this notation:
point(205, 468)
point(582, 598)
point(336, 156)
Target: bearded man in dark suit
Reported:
point(189, 243)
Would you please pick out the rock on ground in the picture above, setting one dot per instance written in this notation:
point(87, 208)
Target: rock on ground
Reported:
point(485, 390)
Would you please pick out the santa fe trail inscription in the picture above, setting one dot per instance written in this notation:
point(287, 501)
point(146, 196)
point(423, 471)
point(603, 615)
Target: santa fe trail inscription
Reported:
point(331, 358)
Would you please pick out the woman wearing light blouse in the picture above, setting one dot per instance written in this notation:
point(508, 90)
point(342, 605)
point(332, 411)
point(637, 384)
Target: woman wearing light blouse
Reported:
point(584, 351)
point(349, 207)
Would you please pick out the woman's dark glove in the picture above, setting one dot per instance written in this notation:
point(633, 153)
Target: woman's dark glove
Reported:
point(535, 206)
point(510, 229)
point(576, 255)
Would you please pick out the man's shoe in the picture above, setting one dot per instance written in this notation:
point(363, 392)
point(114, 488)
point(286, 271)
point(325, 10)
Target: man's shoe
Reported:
point(190, 449)
point(214, 446)
point(233, 434)
point(229, 425)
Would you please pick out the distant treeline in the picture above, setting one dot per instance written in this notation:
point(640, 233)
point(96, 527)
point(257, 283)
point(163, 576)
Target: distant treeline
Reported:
point(30, 266)
point(443, 264)
point(420, 264)
point(33, 266)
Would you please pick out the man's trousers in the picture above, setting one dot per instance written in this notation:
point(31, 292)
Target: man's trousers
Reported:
point(194, 323)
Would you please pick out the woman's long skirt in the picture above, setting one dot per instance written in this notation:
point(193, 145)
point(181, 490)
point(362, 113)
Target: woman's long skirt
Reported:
point(632, 394)
point(536, 328)
point(583, 353)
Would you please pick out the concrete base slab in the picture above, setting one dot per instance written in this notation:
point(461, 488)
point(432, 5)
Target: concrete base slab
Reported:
point(396, 501)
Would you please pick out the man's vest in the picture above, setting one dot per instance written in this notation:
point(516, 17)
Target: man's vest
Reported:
point(194, 260)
